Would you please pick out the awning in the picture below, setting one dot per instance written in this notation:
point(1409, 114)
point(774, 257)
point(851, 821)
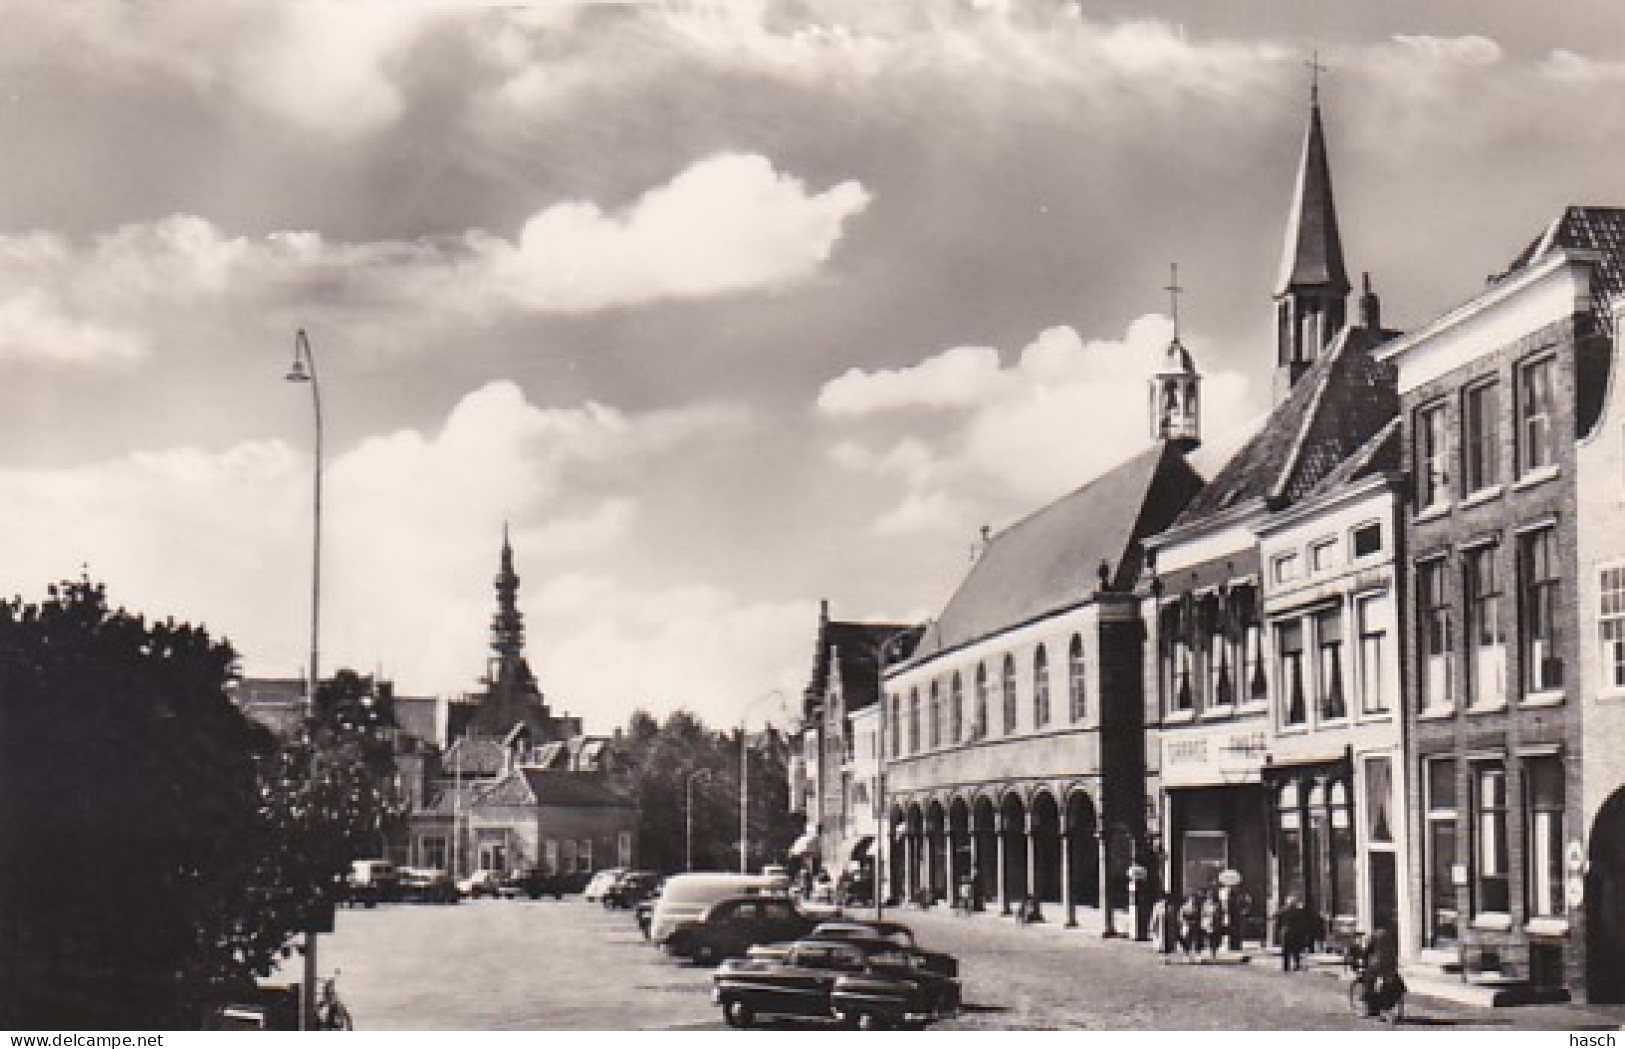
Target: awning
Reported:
point(805, 844)
point(859, 848)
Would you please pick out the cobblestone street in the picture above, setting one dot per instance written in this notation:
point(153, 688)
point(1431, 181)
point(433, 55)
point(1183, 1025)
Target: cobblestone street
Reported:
point(545, 965)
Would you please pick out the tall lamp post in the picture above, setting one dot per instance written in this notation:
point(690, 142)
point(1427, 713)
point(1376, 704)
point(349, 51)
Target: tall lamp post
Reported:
point(884, 848)
point(744, 778)
point(688, 816)
point(304, 371)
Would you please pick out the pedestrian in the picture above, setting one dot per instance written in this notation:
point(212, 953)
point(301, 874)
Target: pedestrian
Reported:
point(1190, 926)
point(1159, 925)
point(1212, 923)
point(1291, 922)
point(1380, 973)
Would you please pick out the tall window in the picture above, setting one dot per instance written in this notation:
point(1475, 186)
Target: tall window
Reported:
point(934, 716)
point(1543, 664)
point(1289, 638)
point(1482, 441)
point(1077, 680)
point(1612, 625)
point(1184, 671)
point(1543, 790)
point(1490, 850)
point(1372, 616)
point(1487, 660)
point(913, 721)
point(896, 724)
point(1254, 681)
point(1434, 614)
point(1329, 640)
point(956, 710)
point(1221, 663)
point(1536, 448)
point(1432, 481)
point(1040, 688)
point(1009, 685)
point(1442, 854)
point(979, 716)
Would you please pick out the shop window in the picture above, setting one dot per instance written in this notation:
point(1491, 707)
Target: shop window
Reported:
point(1543, 790)
point(1329, 660)
point(1490, 845)
point(433, 853)
point(1543, 663)
point(1486, 664)
point(979, 716)
point(1482, 442)
point(1611, 623)
point(1432, 479)
point(1536, 448)
point(1379, 801)
point(1371, 614)
point(1436, 640)
point(1077, 680)
point(1040, 687)
point(1442, 856)
point(956, 710)
point(1289, 826)
point(1341, 840)
point(1009, 688)
point(1289, 641)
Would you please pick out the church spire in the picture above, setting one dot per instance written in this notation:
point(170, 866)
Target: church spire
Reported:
point(508, 625)
point(1312, 291)
point(1175, 415)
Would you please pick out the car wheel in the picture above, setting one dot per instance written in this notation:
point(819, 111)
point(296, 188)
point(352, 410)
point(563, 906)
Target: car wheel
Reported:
point(738, 1013)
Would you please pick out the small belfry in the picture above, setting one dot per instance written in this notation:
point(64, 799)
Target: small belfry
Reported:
point(1311, 295)
point(1175, 406)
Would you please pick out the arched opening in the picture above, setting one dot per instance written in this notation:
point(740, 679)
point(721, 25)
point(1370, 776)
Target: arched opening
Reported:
point(936, 851)
point(1013, 827)
point(1605, 904)
point(914, 862)
point(1046, 848)
point(959, 845)
point(896, 857)
point(1083, 848)
point(985, 847)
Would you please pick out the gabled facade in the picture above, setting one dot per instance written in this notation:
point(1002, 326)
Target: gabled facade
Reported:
point(1012, 741)
point(1499, 398)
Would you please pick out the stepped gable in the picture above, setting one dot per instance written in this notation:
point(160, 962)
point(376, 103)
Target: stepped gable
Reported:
point(1344, 399)
point(1051, 560)
point(858, 645)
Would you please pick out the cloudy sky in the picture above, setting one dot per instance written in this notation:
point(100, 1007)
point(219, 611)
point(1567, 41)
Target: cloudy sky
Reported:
point(724, 306)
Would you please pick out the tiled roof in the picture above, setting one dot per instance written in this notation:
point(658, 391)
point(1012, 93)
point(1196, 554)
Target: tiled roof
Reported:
point(572, 789)
point(1334, 409)
point(857, 646)
point(1593, 228)
point(475, 757)
point(1378, 455)
point(1051, 560)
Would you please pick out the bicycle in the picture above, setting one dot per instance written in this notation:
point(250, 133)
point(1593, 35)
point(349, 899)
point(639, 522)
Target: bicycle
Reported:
point(331, 1013)
point(1381, 997)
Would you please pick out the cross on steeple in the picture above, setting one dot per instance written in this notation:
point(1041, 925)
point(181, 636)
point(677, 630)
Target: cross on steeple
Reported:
point(1315, 69)
point(1173, 289)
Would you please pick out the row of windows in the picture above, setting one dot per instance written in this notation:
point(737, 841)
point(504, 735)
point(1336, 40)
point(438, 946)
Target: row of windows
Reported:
point(945, 721)
point(1325, 554)
point(1483, 606)
point(1534, 443)
point(1471, 830)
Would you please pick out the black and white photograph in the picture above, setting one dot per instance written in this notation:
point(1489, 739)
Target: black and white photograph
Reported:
point(808, 515)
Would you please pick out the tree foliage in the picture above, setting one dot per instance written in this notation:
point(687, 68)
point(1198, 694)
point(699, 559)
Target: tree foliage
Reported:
point(160, 850)
point(667, 757)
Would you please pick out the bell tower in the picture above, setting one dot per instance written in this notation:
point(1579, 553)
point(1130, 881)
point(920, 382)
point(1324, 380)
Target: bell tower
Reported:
point(1175, 407)
point(1311, 295)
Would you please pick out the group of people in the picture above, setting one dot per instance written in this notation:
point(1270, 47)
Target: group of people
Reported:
point(1202, 922)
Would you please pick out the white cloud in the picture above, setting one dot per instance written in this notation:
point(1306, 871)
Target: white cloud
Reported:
point(955, 378)
point(1064, 412)
point(34, 327)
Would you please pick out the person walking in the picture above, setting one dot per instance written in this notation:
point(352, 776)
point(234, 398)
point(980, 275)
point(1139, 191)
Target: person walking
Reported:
point(1291, 921)
point(1212, 923)
point(1190, 926)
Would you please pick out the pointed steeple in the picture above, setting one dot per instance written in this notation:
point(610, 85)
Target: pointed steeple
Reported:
point(1311, 293)
point(508, 625)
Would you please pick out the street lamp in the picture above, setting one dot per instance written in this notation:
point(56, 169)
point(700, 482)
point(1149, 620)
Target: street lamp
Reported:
point(744, 779)
point(688, 816)
point(304, 370)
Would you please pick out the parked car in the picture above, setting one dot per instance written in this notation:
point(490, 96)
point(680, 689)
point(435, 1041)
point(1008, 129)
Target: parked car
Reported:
point(862, 983)
point(730, 927)
point(895, 933)
point(537, 883)
point(685, 898)
point(601, 883)
point(427, 885)
point(479, 883)
point(371, 882)
point(644, 909)
point(631, 888)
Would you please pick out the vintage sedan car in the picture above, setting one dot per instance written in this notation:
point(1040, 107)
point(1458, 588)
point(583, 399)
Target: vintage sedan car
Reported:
point(861, 983)
point(895, 933)
point(631, 888)
point(427, 885)
point(536, 883)
point(479, 883)
point(734, 924)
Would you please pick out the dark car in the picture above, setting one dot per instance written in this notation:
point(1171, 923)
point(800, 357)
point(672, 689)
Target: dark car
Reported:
point(862, 983)
point(630, 889)
point(537, 883)
point(427, 885)
point(895, 933)
point(733, 925)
